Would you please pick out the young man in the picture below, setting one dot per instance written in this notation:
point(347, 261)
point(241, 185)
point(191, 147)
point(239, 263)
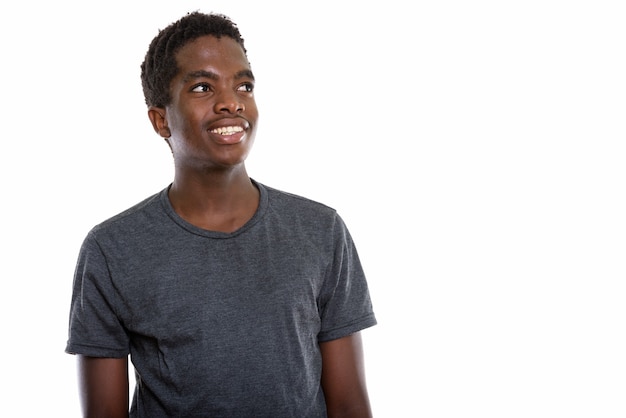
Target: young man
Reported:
point(233, 299)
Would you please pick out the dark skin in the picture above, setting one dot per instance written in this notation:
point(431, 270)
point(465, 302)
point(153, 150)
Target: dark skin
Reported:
point(213, 91)
point(103, 385)
point(210, 126)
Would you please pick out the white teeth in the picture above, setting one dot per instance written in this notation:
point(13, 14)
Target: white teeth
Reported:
point(227, 130)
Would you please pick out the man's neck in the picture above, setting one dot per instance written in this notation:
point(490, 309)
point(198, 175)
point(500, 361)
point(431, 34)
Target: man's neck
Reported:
point(219, 203)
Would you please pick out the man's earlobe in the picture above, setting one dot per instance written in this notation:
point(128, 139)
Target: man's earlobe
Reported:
point(159, 122)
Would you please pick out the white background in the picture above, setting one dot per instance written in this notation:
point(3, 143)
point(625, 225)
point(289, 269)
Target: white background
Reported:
point(475, 149)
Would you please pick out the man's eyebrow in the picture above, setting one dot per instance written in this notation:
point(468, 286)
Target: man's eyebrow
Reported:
point(212, 76)
point(244, 74)
point(199, 74)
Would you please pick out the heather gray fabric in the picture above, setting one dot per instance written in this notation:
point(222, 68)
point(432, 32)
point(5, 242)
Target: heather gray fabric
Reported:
point(220, 324)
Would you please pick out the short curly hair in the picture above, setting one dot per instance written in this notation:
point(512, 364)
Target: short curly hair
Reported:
point(159, 66)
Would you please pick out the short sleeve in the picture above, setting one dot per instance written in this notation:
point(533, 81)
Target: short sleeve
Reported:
point(346, 305)
point(94, 328)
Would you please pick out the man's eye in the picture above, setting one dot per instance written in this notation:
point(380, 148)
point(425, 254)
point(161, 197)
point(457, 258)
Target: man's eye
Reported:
point(201, 88)
point(246, 87)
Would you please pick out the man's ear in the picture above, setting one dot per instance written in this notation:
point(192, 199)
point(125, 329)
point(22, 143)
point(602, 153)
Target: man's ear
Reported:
point(159, 122)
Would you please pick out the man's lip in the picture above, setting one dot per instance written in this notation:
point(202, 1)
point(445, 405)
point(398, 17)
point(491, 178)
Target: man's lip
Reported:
point(230, 139)
point(228, 122)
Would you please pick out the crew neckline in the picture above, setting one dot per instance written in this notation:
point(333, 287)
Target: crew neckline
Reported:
point(258, 214)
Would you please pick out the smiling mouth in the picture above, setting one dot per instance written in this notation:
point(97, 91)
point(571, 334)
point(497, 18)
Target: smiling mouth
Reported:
point(227, 130)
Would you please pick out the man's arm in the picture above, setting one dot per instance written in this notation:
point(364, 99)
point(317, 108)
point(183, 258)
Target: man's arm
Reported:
point(343, 378)
point(103, 385)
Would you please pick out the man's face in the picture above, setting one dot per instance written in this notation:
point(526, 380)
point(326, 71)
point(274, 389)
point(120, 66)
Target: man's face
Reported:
point(212, 116)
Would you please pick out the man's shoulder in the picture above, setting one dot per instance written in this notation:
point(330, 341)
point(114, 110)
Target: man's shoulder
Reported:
point(297, 202)
point(130, 216)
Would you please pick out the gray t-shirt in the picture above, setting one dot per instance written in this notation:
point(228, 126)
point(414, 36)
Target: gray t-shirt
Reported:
point(220, 324)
